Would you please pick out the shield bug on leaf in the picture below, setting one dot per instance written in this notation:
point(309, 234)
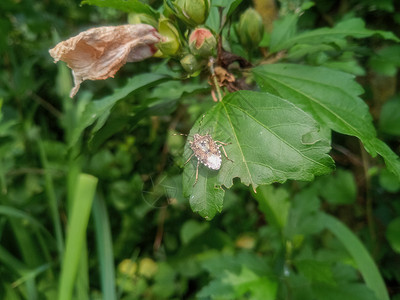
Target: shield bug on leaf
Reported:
point(206, 151)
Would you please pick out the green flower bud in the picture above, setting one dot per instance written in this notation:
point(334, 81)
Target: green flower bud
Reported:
point(202, 42)
point(190, 63)
point(134, 18)
point(170, 41)
point(192, 12)
point(250, 28)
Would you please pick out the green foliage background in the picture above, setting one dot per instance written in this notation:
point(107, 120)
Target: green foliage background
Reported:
point(93, 200)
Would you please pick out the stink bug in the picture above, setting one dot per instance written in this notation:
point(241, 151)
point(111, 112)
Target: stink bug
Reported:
point(206, 151)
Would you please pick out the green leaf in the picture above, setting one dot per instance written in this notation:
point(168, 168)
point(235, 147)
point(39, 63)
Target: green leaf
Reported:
point(331, 97)
point(348, 28)
point(389, 181)
point(271, 140)
point(192, 229)
point(130, 6)
point(304, 218)
point(284, 29)
point(386, 61)
point(216, 290)
point(392, 161)
point(360, 255)
point(343, 292)
point(249, 282)
point(315, 270)
point(338, 189)
point(274, 204)
point(231, 7)
point(99, 110)
point(300, 50)
point(206, 197)
point(218, 264)
point(164, 282)
point(393, 234)
point(12, 212)
point(231, 279)
point(389, 120)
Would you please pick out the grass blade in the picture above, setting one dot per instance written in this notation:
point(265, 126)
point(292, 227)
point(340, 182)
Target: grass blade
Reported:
point(82, 203)
point(52, 199)
point(364, 261)
point(105, 249)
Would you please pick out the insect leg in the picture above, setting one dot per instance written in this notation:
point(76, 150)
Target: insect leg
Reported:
point(189, 158)
point(197, 172)
point(225, 151)
point(225, 144)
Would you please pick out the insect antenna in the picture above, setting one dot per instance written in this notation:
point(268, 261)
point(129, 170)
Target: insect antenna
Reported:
point(183, 134)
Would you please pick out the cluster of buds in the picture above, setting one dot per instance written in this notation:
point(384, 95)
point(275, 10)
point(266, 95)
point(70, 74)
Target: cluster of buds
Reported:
point(201, 44)
point(99, 53)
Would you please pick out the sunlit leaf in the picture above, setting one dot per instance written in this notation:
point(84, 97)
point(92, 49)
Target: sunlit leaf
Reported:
point(270, 140)
point(332, 97)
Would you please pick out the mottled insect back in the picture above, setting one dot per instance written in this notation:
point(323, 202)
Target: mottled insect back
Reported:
point(206, 150)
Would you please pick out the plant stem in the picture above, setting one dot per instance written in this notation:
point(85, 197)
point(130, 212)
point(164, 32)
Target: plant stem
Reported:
point(214, 78)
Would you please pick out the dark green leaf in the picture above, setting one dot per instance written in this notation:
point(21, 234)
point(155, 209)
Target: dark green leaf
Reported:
point(315, 270)
point(338, 189)
point(389, 181)
point(389, 120)
point(207, 196)
point(343, 292)
point(284, 29)
point(331, 97)
point(192, 229)
point(232, 7)
point(260, 287)
point(348, 28)
point(269, 142)
point(129, 6)
point(274, 203)
point(99, 110)
point(304, 218)
point(300, 50)
point(386, 61)
point(393, 234)
point(217, 290)
point(392, 160)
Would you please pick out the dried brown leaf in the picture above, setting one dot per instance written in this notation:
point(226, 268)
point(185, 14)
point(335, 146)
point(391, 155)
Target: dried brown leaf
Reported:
point(98, 53)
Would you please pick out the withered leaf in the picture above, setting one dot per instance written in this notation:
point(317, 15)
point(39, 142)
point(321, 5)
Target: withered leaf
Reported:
point(98, 53)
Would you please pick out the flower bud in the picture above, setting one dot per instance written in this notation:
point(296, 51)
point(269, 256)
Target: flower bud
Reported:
point(139, 18)
point(250, 28)
point(202, 42)
point(170, 42)
point(190, 63)
point(192, 12)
